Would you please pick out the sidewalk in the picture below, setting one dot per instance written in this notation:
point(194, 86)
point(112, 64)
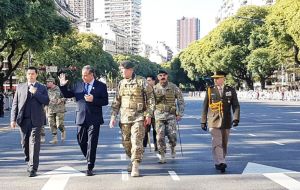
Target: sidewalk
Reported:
point(273, 102)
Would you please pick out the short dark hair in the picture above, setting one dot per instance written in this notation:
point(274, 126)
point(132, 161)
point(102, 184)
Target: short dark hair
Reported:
point(89, 68)
point(32, 68)
point(151, 76)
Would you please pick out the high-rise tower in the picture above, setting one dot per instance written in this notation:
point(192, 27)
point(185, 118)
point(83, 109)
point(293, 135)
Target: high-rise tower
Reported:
point(83, 8)
point(127, 15)
point(188, 30)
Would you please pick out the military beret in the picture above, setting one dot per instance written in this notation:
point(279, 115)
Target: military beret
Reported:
point(219, 74)
point(50, 79)
point(127, 64)
point(162, 72)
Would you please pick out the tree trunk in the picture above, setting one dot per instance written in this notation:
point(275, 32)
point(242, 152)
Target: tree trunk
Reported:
point(249, 83)
point(263, 83)
point(296, 50)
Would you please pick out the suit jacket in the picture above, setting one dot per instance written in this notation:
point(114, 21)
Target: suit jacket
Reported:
point(39, 100)
point(230, 105)
point(88, 112)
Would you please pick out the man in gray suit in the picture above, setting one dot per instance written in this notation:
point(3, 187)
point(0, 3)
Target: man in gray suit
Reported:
point(28, 113)
point(219, 104)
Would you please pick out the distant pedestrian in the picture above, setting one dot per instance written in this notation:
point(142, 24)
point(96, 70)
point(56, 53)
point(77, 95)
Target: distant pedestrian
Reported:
point(219, 103)
point(28, 113)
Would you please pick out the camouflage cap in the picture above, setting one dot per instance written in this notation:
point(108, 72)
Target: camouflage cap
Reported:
point(50, 79)
point(127, 64)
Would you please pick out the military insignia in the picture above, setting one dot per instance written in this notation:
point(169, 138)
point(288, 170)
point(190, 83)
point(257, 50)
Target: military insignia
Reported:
point(228, 93)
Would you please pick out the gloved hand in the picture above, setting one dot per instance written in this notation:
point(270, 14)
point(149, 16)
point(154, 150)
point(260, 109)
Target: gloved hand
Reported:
point(204, 126)
point(235, 123)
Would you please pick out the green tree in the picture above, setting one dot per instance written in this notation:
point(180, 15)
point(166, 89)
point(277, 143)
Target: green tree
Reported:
point(70, 53)
point(143, 66)
point(26, 25)
point(228, 46)
point(262, 62)
point(284, 22)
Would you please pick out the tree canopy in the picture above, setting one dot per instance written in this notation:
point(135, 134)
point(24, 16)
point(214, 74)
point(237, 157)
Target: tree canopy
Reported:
point(70, 53)
point(26, 25)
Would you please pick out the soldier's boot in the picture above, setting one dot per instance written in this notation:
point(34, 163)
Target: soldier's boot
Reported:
point(162, 158)
point(43, 139)
point(63, 136)
point(129, 167)
point(173, 152)
point(54, 139)
point(135, 169)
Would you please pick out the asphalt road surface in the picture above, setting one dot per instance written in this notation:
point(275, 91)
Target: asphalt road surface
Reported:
point(263, 155)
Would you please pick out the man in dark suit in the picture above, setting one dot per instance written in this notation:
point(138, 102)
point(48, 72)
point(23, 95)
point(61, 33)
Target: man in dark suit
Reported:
point(90, 96)
point(219, 104)
point(28, 113)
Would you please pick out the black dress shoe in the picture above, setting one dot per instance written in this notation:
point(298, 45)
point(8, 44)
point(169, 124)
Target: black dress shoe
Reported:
point(89, 173)
point(222, 167)
point(32, 173)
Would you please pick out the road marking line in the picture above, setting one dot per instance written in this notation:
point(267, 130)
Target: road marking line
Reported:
point(125, 176)
point(233, 129)
point(174, 176)
point(59, 177)
point(56, 182)
point(123, 157)
point(277, 143)
point(121, 146)
point(284, 180)
point(252, 135)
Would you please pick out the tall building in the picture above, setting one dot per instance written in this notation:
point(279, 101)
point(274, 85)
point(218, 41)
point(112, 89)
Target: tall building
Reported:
point(188, 30)
point(126, 14)
point(114, 40)
point(83, 8)
point(230, 7)
point(64, 10)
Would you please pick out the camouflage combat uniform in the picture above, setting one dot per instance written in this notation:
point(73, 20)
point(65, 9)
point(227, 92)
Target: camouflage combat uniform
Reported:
point(165, 113)
point(56, 110)
point(134, 100)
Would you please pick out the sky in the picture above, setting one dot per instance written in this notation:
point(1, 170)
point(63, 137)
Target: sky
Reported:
point(159, 17)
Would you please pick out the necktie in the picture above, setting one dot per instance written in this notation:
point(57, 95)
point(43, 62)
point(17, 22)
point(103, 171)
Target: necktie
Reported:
point(29, 88)
point(86, 89)
point(220, 90)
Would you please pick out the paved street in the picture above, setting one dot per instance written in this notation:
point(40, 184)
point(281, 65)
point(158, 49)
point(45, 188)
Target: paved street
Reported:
point(263, 155)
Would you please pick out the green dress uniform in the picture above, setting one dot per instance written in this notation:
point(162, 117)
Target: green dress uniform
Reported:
point(217, 112)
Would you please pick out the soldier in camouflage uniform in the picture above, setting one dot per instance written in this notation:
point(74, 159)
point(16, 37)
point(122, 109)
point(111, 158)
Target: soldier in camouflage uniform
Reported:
point(56, 111)
point(135, 101)
point(166, 113)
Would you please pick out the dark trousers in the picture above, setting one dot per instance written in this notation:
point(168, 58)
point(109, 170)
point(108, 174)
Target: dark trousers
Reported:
point(87, 137)
point(145, 141)
point(31, 142)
